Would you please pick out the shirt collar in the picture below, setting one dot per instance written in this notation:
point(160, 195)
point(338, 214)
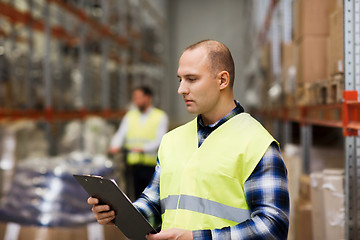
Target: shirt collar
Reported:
point(237, 110)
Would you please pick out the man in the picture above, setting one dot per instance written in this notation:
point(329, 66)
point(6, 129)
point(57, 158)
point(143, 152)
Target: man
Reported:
point(220, 176)
point(140, 133)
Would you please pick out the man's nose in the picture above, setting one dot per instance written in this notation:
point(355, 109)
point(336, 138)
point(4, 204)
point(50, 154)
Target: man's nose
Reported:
point(183, 89)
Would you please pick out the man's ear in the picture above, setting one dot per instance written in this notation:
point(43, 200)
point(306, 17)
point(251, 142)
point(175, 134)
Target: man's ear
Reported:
point(223, 79)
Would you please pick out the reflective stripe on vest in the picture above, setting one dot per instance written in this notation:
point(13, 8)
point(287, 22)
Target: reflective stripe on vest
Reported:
point(140, 134)
point(205, 206)
point(203, 187)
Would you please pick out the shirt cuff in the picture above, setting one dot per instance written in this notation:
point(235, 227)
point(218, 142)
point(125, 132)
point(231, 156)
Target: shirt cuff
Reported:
point(201, 234)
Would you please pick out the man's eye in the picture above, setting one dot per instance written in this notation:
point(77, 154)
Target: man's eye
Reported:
point(191, 79)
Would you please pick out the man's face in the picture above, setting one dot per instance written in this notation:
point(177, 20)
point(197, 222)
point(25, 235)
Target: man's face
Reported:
point(141, 100)
point(198, 84)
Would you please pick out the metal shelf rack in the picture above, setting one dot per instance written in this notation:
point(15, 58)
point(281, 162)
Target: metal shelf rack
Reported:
point(344, 115)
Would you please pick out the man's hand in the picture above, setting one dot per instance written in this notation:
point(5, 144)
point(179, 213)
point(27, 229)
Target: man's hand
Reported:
point(139, 150)
point(102, 213)
point(114, 150)
point(173, 233)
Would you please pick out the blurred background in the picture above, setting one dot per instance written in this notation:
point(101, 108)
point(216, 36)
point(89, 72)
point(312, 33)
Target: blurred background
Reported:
point(67, 69)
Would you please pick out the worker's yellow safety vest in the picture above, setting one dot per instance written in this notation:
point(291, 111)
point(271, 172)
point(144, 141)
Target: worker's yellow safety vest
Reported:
point(203, 187)
point(139, 134)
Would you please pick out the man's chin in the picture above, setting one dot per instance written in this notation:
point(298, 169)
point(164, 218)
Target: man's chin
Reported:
point(191, 110)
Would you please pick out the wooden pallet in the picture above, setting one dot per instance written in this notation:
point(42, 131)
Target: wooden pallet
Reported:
point(321, 92)
point(332, 91)
point(303, 94)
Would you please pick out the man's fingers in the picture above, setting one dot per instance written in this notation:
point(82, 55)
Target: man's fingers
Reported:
point(171, 234)
point(104, 221)
point(104, 215)
point(100, 208)
point(92, 201)
point(159, 236)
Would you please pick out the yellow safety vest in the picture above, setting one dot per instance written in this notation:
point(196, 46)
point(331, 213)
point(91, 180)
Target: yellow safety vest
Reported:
point(203, 187)
point(139, 134)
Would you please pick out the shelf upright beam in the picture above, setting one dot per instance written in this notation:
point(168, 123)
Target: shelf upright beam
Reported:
point(123, 9)
point(352, 143)
point(48, 79)
point(136, 47)
point(46, 60)
point(61, 82)
point(306, 143)
point(105, 84)
point(29, 75)
point(82, 59)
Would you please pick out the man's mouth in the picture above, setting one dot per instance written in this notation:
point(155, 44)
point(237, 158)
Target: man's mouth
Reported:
point(188, 101)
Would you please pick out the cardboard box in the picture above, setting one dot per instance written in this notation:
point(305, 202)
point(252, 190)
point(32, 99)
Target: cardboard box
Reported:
point(288, 54)
point(305, 192)
point(335, 5)
point(312, 59)
point(303, 220)
point(336, 43)
point(317, 202)
point(334, 203)
point(265, 56)
point(311, 18)
point(291, 155)
point(17, 232)
point(288, 68)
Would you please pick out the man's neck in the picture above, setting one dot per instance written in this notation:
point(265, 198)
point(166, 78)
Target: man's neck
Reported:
point(145, 110)
point(211, 118)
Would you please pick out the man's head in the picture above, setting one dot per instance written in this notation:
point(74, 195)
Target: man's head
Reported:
point(206, 74)
point(141, 97)
point(219, 57)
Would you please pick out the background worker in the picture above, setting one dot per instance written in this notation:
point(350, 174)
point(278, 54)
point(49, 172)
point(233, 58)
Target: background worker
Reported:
point(140, 134)
point(220, 176)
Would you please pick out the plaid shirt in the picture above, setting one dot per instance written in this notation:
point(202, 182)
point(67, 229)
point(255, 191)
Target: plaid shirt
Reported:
point(265, 190)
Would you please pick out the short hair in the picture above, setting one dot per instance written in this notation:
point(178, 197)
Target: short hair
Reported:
point(145, 89)
point(219, 55)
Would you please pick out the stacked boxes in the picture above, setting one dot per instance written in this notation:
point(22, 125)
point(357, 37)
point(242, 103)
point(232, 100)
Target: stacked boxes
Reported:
point(311, 32)
point(319, 53)
point(336, 39)
point(303, 210)
point(288, 57)
point(317, 201)
point(312, 60)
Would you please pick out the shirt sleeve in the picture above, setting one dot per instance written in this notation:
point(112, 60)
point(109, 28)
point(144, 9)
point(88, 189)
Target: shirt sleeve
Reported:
point(118, 139)
point(153, 145)
point(266, 193)
point(149, 201)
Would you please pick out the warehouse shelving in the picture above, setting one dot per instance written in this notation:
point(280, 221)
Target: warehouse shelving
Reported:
point(78, 59)
point(119, 43)
point(344, 115)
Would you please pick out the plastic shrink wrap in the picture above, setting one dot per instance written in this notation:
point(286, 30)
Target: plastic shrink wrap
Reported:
point(43, 191)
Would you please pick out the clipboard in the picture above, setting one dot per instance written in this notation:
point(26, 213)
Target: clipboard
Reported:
point(128, 219)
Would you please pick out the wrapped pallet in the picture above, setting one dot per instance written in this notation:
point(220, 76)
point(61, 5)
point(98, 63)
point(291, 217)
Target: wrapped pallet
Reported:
point(334, 203)
point(44, 193)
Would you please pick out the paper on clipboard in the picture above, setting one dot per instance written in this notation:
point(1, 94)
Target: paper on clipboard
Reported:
point(128, 219)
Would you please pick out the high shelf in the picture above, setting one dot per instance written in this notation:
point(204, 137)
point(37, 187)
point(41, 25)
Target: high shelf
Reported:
point(83, 56)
